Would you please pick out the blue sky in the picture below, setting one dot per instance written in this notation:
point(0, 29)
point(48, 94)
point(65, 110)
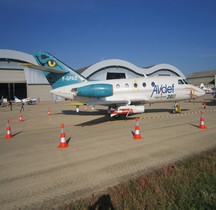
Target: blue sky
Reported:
point(143, 32)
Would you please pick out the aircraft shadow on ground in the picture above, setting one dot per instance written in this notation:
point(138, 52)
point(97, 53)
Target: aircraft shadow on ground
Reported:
point(104, 112)
point(105, 119)
point(162, 110)
point(97, 112)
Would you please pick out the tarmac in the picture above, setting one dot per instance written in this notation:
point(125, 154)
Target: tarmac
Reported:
point(102, 152)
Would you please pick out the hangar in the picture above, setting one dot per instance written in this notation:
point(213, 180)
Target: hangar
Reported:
point(208, 78)
point(121, 69)
point(19, 80)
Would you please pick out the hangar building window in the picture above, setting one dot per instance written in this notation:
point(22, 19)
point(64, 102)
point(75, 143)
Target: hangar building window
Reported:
point(112, 75)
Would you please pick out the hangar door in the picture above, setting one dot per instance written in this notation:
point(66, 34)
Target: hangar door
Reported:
point(9, 90)
point(12, 82)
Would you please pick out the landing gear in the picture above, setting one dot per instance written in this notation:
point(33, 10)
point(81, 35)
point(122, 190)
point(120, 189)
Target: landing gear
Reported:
point(176, 108)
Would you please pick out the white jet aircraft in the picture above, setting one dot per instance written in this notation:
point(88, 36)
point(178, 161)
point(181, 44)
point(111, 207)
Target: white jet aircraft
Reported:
point(122, 96)
point(206, 89)
point(3, 101)
point(28, 100)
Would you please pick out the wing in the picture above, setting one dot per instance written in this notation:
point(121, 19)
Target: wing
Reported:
point(133, 101)
point(107, 103)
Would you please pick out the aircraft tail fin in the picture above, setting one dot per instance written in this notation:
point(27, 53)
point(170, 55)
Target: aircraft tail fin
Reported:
point(16, 99)
point(202, 85)
point(57, 73)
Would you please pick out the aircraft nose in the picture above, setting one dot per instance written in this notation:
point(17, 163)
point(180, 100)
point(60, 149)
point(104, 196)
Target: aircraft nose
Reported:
point(201, 92)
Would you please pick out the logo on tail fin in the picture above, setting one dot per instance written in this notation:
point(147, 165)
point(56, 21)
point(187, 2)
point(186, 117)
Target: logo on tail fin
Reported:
point(51, 63)
point(56, 80)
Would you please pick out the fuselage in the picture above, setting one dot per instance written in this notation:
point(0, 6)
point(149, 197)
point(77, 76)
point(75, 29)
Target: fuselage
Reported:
point(146, 90)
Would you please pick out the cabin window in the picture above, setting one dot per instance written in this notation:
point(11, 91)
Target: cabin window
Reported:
point(144, 84)
point(117, 86)
point(126, 85)
point(180, 82)
point(135, 85)
point(152, 84)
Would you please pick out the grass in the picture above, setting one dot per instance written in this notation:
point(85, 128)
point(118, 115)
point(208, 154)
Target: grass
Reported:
point(189, 184)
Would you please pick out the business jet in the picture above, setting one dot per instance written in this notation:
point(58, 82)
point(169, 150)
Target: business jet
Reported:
point(28, 100)
point(208, 90)
point(122, 96)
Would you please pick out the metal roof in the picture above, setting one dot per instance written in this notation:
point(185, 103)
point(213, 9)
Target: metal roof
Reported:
point(17, 55)
point(210, 73)
point(87, 71)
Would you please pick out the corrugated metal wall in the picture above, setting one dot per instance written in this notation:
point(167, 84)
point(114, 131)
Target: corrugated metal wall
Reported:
point(34, 76)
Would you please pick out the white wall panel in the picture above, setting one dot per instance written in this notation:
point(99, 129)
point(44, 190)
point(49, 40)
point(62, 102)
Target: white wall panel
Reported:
point(34, 76)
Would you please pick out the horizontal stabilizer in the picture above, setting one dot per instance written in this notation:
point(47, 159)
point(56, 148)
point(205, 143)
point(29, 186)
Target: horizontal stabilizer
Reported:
point(42, 68)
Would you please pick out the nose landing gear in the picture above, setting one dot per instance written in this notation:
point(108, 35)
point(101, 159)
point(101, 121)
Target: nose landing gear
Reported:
point(176, 108)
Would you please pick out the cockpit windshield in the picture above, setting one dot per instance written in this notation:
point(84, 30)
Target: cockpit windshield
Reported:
point(180, 82)
point(185, 81)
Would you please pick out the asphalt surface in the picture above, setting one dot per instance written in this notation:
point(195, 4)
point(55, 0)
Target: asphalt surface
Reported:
point(34, 173)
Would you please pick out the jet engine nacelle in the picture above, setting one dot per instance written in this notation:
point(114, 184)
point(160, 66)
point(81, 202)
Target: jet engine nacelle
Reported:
point(94, 90)
point(126, 110)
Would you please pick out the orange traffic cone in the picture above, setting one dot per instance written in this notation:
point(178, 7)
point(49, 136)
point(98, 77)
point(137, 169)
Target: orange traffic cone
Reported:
point(202, 123)
point(8, 131)
point(49, 112)
point(137, 133)
point(63, 143)
point(20, 118)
